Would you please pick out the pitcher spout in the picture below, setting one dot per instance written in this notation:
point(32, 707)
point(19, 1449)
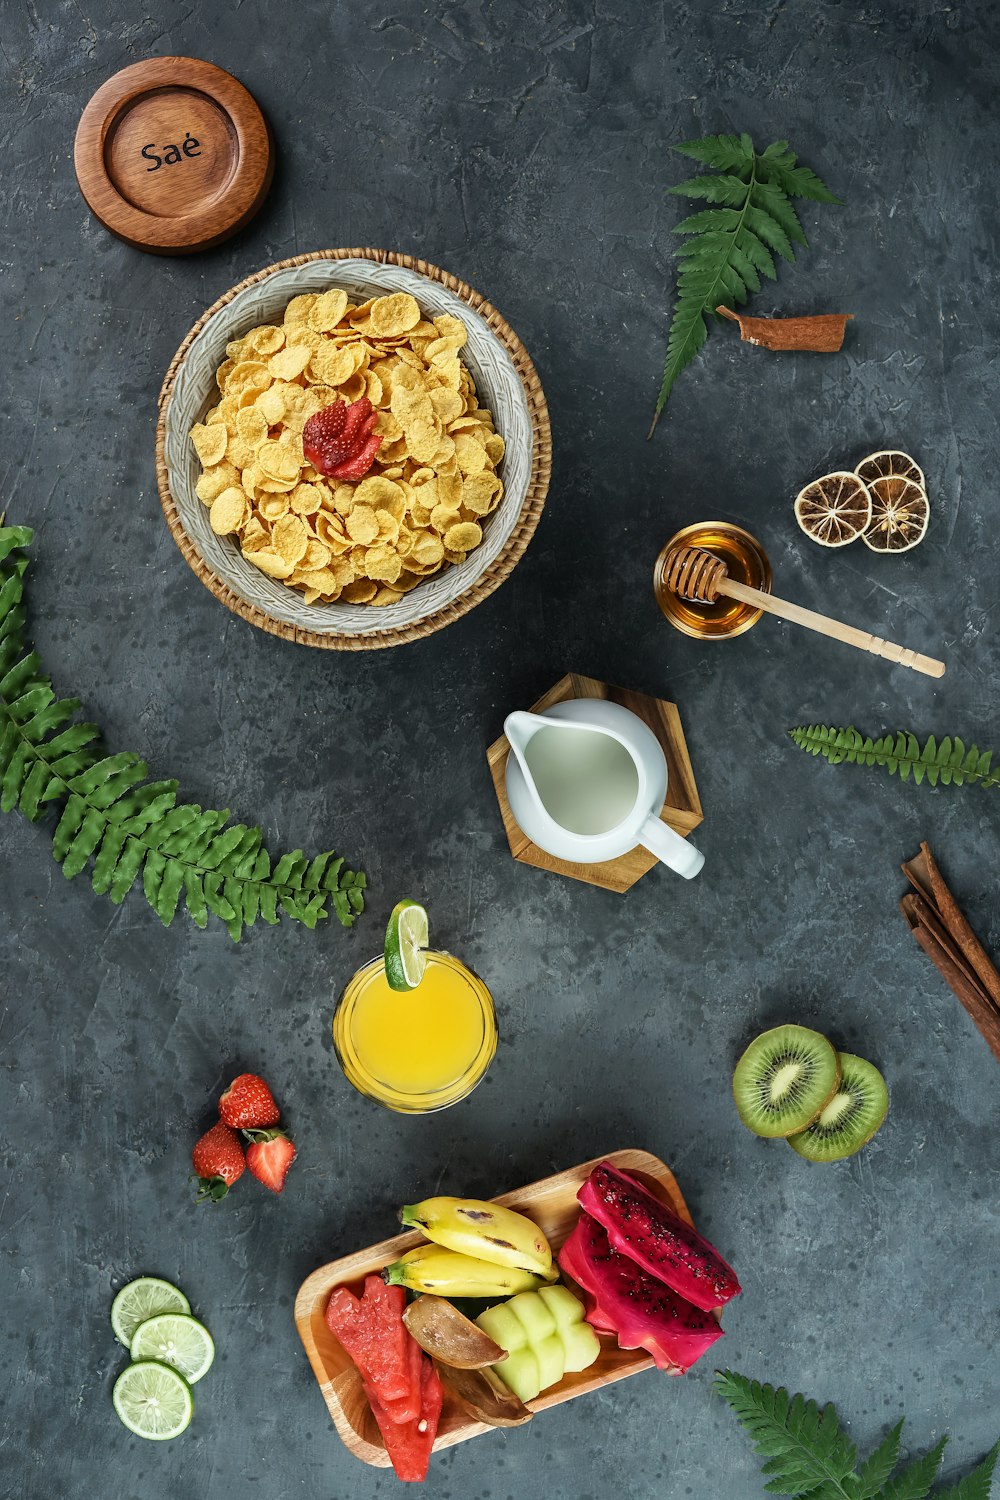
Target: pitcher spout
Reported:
point(519, 728)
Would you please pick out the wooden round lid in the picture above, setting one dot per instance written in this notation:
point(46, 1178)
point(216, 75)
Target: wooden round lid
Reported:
point(173, 155)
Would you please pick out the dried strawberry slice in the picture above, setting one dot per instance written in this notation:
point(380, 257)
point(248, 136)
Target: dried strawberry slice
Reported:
point(357, 467)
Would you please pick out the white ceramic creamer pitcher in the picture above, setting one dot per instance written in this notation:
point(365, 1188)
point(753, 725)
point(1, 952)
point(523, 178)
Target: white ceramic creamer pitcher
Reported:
point(586, 781)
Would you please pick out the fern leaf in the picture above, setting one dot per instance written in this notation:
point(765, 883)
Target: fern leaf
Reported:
point(194, 897)
point(914, 1483)
point(122, 824)
point(774, 202)
point(806, 1451)
point(722, 189)
point(106, 860)
point(726, 153)
point(799, 182)
point(130, 862)
point(901, 755)
point(767, 228)
point(979, 1484)
point(877, 1467)
point(19, 676)
point(214, 899)
point(269, 904)
point(14, 539)
point(83, 843)
point(709, 220)
point(730, 246)
point(757, 253)
point(38, 786)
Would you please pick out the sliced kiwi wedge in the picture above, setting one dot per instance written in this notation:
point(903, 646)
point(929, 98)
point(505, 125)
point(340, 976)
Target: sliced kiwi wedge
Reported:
point(851, 1117)
point(784, 1079)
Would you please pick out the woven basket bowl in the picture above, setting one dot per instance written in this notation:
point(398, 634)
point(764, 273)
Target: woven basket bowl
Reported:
point(505, 379)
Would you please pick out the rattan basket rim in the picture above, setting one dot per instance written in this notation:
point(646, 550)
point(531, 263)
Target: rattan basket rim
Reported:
point(488, 581)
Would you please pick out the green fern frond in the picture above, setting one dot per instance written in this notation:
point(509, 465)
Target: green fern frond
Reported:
point(948, 762)
point(979, 1484)
point(915, 1481)
point(809, 1457)
point(123, 826)
point(877, 1467)
point(732, 244)
point(806, 1451)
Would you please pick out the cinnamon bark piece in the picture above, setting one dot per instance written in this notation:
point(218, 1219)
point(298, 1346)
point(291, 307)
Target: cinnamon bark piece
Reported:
point(955, 921)
point(817, 335)
point(986, 1019)
point(917, 910)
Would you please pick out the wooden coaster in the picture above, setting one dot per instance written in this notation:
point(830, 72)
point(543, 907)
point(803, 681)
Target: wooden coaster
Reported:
point(681, 811)
point(173, 155)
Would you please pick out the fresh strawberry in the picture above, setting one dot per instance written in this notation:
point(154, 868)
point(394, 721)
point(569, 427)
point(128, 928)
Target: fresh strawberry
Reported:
point(218, 1162)
point(339, 438)
point(269, 1157)
point(323, 434)
point(248, 1104)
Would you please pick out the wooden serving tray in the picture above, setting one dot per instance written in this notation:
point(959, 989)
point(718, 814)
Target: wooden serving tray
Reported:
point(553, 1205)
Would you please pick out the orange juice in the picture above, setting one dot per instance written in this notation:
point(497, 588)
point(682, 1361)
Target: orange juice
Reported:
point(416, 1050)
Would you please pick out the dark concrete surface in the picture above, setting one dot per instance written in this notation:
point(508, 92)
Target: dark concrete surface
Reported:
point(526, 149)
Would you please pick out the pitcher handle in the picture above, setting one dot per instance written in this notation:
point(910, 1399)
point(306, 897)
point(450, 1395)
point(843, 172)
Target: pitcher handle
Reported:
point(668, 846)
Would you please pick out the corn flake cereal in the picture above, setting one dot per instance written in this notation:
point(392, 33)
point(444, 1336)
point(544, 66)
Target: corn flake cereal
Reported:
point(432, 484)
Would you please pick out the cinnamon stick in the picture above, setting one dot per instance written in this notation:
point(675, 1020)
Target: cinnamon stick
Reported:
point(987, 1020)
point(818, 335)
point(920, 912)
point(956, 923)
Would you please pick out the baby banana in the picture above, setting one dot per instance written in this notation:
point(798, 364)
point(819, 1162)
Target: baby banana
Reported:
point(484, 1231)
point(445, 1273)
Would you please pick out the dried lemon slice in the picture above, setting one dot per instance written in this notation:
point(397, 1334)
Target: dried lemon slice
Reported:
point(890, 461)
point(900, 513)
point(834, 510)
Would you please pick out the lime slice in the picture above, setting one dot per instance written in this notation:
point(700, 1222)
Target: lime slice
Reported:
point(405, 942)
point(153, 1400)
point(143, 1299)
point(177, 1340)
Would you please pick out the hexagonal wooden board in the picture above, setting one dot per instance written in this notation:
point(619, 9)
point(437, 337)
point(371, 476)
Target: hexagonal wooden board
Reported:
point(681, 811)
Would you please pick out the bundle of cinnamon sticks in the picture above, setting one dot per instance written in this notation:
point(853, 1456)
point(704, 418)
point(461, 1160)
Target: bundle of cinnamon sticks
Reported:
point(940, 927)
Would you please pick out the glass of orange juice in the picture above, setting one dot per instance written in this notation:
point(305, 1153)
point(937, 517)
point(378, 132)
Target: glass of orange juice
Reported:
point(419, 1049)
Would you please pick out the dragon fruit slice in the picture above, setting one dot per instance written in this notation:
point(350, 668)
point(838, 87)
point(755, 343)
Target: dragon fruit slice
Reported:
point(573, 1262)
point(646, 1314)
point(641, 1227)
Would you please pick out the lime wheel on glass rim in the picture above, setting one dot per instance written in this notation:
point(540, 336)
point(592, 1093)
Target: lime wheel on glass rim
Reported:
point(405, 952)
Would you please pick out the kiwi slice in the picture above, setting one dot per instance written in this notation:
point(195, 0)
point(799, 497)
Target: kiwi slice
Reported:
point(784, 1079)
point(852, 1116)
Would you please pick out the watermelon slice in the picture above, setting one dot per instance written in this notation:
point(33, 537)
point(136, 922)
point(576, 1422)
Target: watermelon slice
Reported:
point(409, 1444)
point(372, 1331)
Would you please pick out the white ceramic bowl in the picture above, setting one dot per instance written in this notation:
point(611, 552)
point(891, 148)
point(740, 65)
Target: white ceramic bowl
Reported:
point(194, 390)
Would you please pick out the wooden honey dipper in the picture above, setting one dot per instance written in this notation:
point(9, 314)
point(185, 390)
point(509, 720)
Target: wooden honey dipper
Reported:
point(700, 577)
